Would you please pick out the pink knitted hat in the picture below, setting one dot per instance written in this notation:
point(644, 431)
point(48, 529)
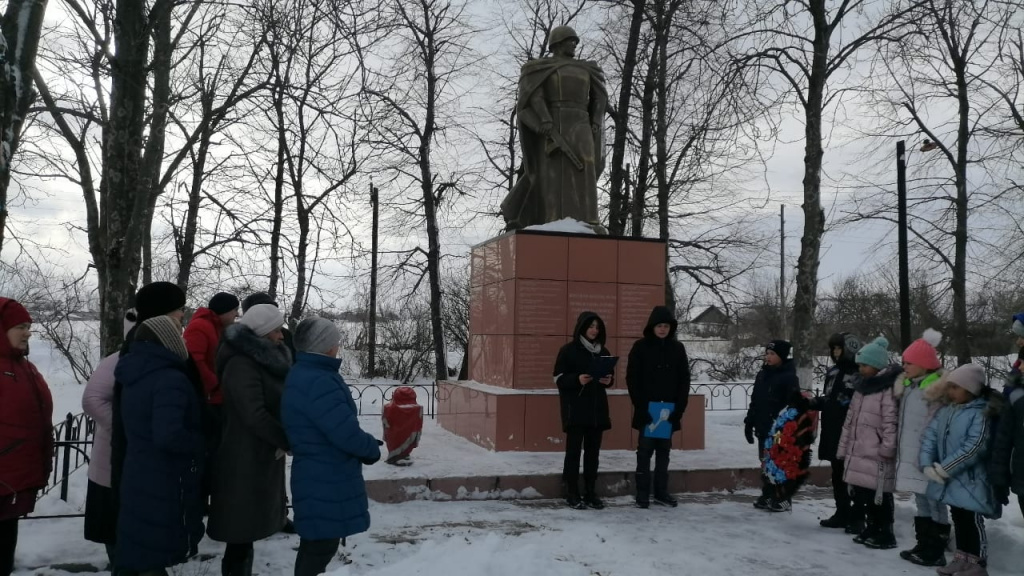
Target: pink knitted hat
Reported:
point(922, 351)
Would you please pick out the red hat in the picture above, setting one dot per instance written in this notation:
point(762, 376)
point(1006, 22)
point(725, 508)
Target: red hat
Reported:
point(12, 313)
point(922, 351)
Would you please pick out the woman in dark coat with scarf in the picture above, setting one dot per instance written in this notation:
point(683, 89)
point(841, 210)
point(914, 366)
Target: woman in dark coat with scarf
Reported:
point(26, 428)
point(584, 405)
point(247, 502)
point(834, 403)
point(160, 518)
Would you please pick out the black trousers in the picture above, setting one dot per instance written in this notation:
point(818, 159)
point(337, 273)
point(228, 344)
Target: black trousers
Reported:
point(841, 493)
point(969, 528)
point(587, 441)
point(237, 559)
point(659, 448)
point(314, 556)
point(880, 515)
point(8, 542)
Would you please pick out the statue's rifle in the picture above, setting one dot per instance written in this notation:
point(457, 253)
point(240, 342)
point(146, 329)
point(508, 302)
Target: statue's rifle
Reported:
point(557, 142)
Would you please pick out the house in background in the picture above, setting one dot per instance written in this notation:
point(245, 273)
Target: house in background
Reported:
point(711, 323)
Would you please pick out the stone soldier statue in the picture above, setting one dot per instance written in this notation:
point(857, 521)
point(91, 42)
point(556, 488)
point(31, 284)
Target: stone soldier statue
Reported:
point(560, 110)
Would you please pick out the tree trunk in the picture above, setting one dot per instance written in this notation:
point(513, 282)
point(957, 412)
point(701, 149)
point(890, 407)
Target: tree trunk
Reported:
point(125, 199)
point(153, 156)
point(618, 202)
point(21, 26)
point(805, 300)
point(186, 251)
point(282, 144)
point(646, 134)
point(961, 342)
point(664, 28)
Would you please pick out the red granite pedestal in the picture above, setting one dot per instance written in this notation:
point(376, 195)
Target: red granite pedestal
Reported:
point(527, 288)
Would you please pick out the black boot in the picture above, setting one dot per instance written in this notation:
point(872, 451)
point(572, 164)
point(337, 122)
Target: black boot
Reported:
point(666, 499)
point(838, 520)
point(592, 501)
point(882, 539)
point(933, 553)
point(643, 489)
point(575, 502)
point(855, 521)
point(923, 534)
point(867, 532)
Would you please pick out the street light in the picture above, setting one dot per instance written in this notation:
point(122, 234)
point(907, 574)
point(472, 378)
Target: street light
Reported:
point(904, 256)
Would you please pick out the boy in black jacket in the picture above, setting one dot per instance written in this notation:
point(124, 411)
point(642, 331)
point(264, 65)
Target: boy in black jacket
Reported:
point(773, 387)
point(658, 371)
point(834, 403)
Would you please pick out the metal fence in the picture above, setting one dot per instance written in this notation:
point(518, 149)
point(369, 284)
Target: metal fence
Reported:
point(371, 398)
point(72, 444)
point(723, 396)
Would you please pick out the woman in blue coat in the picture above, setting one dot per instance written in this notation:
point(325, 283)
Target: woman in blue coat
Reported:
point(328, 448)
point(160, 519)
point(954, 457)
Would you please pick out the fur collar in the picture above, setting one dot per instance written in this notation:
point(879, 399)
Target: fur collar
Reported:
point(275, 358)
point(898, 389)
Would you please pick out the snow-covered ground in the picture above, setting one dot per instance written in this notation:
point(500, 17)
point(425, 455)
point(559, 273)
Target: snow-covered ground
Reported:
point(708, 535)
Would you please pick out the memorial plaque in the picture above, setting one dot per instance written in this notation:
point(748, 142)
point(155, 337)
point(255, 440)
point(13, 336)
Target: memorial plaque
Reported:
point(492, 266)
point(596, 297)
point(477, 321)
point(593, 260)
point(635, 304)
point(476, 266)
point(541, 257)
point(535, 361)
point(540, 307)
point(499, 352)
point(641, 262)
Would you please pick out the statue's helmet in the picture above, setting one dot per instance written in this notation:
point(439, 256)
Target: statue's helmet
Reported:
point(561, 34)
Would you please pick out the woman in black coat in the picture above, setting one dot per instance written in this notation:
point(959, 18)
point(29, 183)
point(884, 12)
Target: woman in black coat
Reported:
point(584, 406)
point(834, 403)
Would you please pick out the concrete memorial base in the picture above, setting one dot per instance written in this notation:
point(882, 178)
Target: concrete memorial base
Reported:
point(526, 290)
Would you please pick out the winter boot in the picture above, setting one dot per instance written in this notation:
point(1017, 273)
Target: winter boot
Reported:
point(959, 563)
point(855, 523)
point(780, 505)
point(883, 539)
point(934, 552)
point(592, 501)
point(838, 520)
point(573, 501)
point(665, 500)
point(869, 531)
point(762, 502)
point(923, 533)
point(643, 504)
point(975, 567)
point(643, 489)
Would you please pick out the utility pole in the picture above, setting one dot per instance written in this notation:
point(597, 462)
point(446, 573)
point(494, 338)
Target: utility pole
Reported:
point(371, 338)
point(904, 257)
point(782, 269)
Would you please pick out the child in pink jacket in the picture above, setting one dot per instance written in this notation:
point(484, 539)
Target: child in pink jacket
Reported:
point(868, 444)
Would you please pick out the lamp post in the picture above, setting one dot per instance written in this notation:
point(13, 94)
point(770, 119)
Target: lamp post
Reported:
point(904, 256)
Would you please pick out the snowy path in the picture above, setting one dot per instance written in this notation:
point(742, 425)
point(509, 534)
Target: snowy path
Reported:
point(708, 535)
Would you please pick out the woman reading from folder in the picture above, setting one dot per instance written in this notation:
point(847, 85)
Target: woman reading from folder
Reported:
point(584, 406)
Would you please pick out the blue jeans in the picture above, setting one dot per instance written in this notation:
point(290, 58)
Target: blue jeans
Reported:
point(928, 508)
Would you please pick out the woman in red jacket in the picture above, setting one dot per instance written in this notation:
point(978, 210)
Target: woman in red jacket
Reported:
point(26, 428)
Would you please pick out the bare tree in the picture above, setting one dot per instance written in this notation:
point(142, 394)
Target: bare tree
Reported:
point(420, 91)
point(804, 46)
point(939, 82)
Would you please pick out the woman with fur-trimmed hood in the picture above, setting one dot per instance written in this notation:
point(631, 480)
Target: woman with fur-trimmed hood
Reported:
point(248, 489)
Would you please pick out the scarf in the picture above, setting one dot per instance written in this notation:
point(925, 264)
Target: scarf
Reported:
point(592, 347)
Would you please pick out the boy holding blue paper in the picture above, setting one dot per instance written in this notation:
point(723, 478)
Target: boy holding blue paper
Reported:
point(658, 378)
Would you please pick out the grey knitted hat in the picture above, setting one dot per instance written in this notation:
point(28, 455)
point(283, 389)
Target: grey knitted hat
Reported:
point(970, 377)
point(316, 335)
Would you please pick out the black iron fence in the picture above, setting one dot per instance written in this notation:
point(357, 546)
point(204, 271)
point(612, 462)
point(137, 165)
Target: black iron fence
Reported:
point(72, 445)
point(371, 398)
point(723, 396)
